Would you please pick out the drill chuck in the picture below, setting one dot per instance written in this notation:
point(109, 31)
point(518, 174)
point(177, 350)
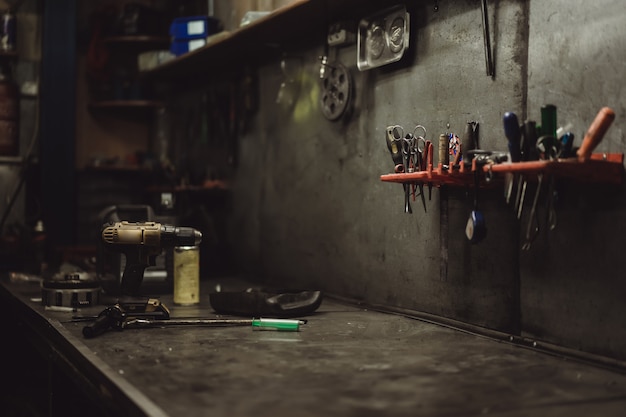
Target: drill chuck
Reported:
point(180, 236)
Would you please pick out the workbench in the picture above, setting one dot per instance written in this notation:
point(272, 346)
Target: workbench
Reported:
point(346, 361)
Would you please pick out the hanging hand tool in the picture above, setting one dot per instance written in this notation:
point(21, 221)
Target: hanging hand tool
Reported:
point(550, 148)
point(421, 161)
point(567, 143)
point(475, 229)
point(395, 144)
point(429, 166)
point(548, 120)
point(553, 196)
point(595, 133)
point(469, 141)
point(444, 151)
point(421, 158)
point(455, 150)
point(513, 134)
point(532, 228)
point(487, 38)
point(529, 153)
point(408, 153)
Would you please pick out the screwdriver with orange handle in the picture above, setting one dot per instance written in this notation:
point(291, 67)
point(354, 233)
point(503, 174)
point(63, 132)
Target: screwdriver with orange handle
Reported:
point(595, 133)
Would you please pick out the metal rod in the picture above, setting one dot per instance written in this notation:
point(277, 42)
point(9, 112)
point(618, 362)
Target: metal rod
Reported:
point(487, 38)
point(188, 322)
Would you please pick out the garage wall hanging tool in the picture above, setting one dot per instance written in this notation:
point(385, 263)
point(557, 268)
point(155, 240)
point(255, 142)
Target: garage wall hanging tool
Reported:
point(336, 90)
point(335, 79)
point(476, 228)
point(383, 38)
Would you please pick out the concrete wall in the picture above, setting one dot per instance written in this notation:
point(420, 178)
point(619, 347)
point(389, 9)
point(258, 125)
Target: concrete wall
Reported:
point(572, 286)
point(312, 212)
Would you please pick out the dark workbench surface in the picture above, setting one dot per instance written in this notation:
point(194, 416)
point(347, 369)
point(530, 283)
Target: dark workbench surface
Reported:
point(346, 361)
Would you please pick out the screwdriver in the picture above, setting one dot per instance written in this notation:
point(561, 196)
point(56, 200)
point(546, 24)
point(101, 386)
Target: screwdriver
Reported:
point(548, 120)
point(529, 153)
point(513, 134)
point(595, 133)
point(256, 323)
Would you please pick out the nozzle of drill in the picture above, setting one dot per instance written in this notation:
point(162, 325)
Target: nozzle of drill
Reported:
point(179, 236)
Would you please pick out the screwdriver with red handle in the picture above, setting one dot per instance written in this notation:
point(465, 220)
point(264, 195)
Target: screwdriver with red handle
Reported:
point(595, 133)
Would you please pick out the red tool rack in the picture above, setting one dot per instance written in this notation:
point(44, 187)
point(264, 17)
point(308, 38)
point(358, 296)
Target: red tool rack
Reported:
point(599, 168)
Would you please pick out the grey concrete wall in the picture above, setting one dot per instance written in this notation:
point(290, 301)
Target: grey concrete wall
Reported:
point(312, 212)
point(572, 285)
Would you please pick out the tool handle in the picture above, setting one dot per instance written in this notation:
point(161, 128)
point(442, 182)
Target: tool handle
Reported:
point(548, 120)
point(529, 143)
point(444, 149)
point(468, 141)
point(393, 135)
point(427, 155)
point(132, 276)
point(107, 319)
point(513, 134)
point(595, 133)
point(429, 159)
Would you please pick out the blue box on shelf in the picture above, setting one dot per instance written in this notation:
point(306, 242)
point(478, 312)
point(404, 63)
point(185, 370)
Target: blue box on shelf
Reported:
point(182, 46)
point(193, 27)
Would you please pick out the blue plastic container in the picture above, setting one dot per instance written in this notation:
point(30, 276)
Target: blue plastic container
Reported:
point(193, 27)
point(182, 46)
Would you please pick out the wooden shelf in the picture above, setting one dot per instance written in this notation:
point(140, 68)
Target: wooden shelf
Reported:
point(125, 104)
point(293, 20)
point(126, 109)
point(270, 35)
point(211, 185)
point(600, 168)
point(138, 41)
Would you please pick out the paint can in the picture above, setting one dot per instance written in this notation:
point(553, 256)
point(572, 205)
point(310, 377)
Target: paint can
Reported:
point(186, 275)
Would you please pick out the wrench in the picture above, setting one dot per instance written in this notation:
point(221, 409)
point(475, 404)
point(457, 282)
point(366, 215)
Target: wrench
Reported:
point(531, 233)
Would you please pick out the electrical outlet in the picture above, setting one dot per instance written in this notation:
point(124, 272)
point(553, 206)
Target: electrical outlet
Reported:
point(341, 33)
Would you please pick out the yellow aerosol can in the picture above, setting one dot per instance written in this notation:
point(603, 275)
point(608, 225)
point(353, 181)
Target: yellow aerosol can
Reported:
point(186, 275)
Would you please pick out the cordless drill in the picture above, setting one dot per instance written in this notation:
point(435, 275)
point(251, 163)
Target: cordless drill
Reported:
point(141, 242)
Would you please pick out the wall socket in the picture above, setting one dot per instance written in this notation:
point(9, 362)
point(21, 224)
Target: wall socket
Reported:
point(341, 33)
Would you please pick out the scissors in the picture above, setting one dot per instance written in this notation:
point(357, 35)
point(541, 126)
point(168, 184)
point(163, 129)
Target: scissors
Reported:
point(420, 157)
